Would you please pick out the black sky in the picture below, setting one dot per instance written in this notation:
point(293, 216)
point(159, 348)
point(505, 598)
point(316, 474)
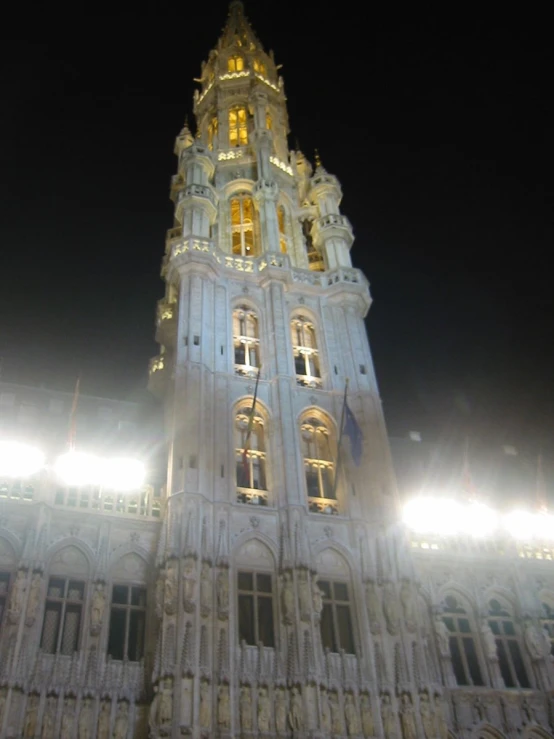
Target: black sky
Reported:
point(438, 126)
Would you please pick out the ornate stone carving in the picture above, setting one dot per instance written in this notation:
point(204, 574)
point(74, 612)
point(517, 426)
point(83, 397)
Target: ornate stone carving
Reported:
point(121, 726)
point(443, 635)
point(85, 720)
point(427, 715)
point(325, 711)
point(206, 594)
point(368, 726)
point(34, 599)
point(287, 597)
point(205, 712)
point(104, 720)
point(222, 590)
point(49, 719)
point(165, 705)
point(336, 718)
point(160, 582)
point(304, 595)
point(97, 608)
point(68, 719)
point(223, 708)
point(31, 715)
point(189, 584)
point(534, 641)
point(16, 597)
point(296, 712)
point(442, 723)
point(372, 607)
point(280, 711)
point(407, 717)
point(407, 600)
point(351, 716)
point(171, 589)
point(390, 608)
point(388, 717)
point(489, 642)
point(264, 711)
point(317, 601)
point(245, 708)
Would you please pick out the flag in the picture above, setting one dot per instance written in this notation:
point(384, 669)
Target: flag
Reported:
point(246, 448)
point(73, 415)
point(354, 433)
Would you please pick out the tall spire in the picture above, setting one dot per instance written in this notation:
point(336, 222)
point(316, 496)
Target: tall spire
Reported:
point(238, 29)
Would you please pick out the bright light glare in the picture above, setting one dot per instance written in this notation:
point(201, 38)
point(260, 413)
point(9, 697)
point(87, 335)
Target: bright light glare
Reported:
point(478, 520)
point(78, 468)
point(524, 525)
point(439, 515)
point(19, 460)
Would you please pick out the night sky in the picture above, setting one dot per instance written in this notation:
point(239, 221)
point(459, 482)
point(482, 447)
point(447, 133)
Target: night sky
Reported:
point(438, 127)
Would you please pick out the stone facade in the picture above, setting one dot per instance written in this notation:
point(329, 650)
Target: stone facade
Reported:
point(269, 590)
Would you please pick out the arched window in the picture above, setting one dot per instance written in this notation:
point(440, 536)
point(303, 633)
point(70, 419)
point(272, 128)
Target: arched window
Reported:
point(212, 132)
point(246, 339)
point(235, 64)
point(547, 623)
point(260, 68)
point(319, 467)
point(462, 643)
point(242, 226)
point(508, 646)
point(238, 126)
point(283, 238)
point(250, 456)
point(305, 351)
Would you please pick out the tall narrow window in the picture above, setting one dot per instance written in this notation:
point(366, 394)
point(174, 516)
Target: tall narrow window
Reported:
point(62, 616)
point(305, 352)
point(255, 608)
point(281, 219)
point(336, 618)
point(318, 461)
point(235, 64)
point(547, 622)
point(242, 226)
point(4, 588)
point(462, 644)
point(238, 127)
point(127, 622)
point(250, 457)
point(212, 132)
point(268, 121)
point(508, 646)
point(260, 68)
point(315, 260)
point(245, 339)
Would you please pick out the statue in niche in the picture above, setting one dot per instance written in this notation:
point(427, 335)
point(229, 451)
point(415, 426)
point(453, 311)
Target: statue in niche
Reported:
point(222, 587)
point(170, 590)
point(427, 716)
point(443, 635)
point(407, 600)
point(34, 599)
point(205, 712)
point(390, 608)
point(388, 717)
point(280, 711)
point(49, 719)
point(296, 712)
point(68, 718)
point(351, 716)
point(104, 720)
point(245, 707)
point(189, 584)
point(264, 711)
point(121, 721)
point(153, 711)
point(407, 718)
point(534, 641)
point(489, 642)
point(304, 595)
point(16, 597)
point(442, 723)
point(31, 716)
point(97, 608)
point(165, 709)
point(336, 718)
point(317, 600)
point(206, 590)
point(325, 720)
point(372, 607)
point(223, 708)
point(368, 726)
point(85, 720)
point(287, 594)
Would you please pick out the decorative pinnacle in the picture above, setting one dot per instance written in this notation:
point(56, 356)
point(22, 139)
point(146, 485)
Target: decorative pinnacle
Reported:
point(317, 158)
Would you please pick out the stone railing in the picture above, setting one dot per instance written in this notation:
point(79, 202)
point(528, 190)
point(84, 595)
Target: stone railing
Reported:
point(200, 191)
point(143, 503)
point(16, 490)
point(252, 497)
point(255, 663)
point(327, 506)
point(460, 546)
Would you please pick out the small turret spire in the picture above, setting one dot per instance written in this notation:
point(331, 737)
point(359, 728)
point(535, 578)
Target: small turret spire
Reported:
point(238, 29)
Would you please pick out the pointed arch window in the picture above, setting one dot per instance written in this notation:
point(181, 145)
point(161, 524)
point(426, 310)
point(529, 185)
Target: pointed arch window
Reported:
point(305, 352)
point(242, 226)
point(212, 133)
point(463, 650)
point(337, 633)
point(238, 126)
point(63, 612)
point(235, 64)
point(246, 339)
point(250, 456)
point(127, 622)
point(260, 68)
point(508, 645)
point(547, 623)
point(282, 222)
point(319, 467)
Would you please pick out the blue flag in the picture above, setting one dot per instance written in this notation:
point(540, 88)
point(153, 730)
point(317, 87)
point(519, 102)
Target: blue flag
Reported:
point(354, 433)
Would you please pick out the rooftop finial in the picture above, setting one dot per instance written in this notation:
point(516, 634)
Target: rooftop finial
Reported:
point(317, 158)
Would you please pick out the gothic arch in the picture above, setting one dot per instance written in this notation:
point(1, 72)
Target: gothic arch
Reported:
point(536, 732)
point(260, 546)
point(70, 542)
point(498, 592)
point(486, 731)
point(260, 406)
point(237, 187)
point(251, 303)
point(331, 559)
point(459, 590)
point(130, 563)
point(320, 413)
point(309, 313)
point(10, 547)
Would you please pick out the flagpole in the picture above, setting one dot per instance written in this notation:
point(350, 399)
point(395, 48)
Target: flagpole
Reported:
point(339, 446)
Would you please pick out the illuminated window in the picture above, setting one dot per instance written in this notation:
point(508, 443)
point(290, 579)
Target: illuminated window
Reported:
point(268, 121)
point(260, 68)
point(547, 623)
point(62, 616)
point(317, 451)
point(305, 352)
point(212, 132)
point(242, 226)
point(127, 623)
point(283, 239)
point(4, 588)
point(250, 455)
point(235, 64)
point(315, 260)
point(246, 339)
point(255, 608)
point(463, 652)
point(508, 647)
point(336, 618)
point(238, 127)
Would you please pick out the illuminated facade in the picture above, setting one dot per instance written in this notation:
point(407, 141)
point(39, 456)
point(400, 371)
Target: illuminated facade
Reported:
point(270, 590)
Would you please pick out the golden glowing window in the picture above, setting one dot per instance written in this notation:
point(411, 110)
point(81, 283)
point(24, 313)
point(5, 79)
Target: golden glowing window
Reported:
point(242, 226)
point(246, 339)
point(212, 132)
point(260, 68)
point(238, 127)
point(305, 351)
point(283, 239)
point(318, 452)
point(268, 121)
point(235, 64)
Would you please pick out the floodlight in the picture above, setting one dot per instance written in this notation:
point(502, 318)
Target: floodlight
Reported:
point(19, 460)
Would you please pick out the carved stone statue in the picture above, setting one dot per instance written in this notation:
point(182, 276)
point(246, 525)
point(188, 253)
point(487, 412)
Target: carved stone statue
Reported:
point(206, 595)
point(68, 718)
point(34, 599)
point(372, 607)
point(443, 636)
point(407, 599)
point(533, 641)
point(170, 590)
point(427, 716)
point(85, 720)
point(223, 708)
point(245, 707)
point(390, 608)
point(442, 723)
point(16, 597)
point(489, 642)
point(407, 718)
point(154, 711)
point(325, 711)
point(97, 608)
point(317, 600)
point(368, 726)
point(205, 712)
point(49, 719)
point(31, 714)
point(287, 595)
point(280, 711)
point(388, 717)
point(296, 712)
point(189, 584)
point(351, 716)
point(104, 720)
point(160, 583)
point(264, 711)
point(222, 587)
point(121, 721)
point(165, 708)
point(304, 595)
point(336, 718)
